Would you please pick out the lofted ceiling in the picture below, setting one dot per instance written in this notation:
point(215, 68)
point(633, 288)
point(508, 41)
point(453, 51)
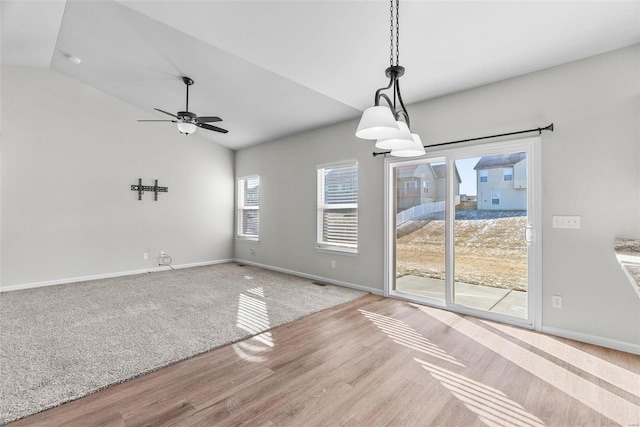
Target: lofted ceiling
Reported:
point(276, 68)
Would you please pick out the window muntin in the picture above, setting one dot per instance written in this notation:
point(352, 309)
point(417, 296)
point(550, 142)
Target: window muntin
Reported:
point(337, 223)
point(248, 218)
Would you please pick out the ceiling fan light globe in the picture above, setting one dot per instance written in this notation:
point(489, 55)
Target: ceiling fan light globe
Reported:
point(186, 128)
point(377, 122)
point(400, 141)
point(415, 150)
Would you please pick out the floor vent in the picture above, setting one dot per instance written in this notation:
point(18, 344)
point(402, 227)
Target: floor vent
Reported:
point(318, 283)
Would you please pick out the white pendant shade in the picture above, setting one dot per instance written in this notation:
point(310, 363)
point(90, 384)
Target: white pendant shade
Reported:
point(400, 141)
point(377, 123)
point(186, 128)
point(414, 151)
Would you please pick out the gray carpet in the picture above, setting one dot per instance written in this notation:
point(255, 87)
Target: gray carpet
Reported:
point(63, 342)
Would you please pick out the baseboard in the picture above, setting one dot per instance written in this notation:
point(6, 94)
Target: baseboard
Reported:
point(593, 339)
point(312, 277)
point(108, 275)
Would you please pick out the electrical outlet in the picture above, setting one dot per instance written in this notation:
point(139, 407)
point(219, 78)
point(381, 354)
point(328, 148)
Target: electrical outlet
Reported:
point(145, 255)
point(252, 251)
point(556, 301)
point(333, 264)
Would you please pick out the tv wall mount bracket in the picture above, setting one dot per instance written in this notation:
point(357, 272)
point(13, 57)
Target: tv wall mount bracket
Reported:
point(142, 188)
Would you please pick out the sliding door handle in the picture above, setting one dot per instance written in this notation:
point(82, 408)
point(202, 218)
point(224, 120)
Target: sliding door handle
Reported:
point(528, 234)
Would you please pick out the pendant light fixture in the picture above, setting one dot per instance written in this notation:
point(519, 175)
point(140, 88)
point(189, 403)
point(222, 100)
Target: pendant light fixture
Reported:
point(390, 126)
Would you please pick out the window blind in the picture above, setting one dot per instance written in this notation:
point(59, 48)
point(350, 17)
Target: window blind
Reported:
point(338, 206)
point(249, 207)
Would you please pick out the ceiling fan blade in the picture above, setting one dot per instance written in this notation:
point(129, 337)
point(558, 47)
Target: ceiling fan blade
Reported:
point(213, 128)
point(172, 121)
point(172, 115)
point(209, 119)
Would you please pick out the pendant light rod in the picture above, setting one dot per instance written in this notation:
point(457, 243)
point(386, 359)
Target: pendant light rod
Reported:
point(539, 130)
point(394, 73)
point(391, 127)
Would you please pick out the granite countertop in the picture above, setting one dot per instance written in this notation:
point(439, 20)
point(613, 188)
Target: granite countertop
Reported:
point(628, 254)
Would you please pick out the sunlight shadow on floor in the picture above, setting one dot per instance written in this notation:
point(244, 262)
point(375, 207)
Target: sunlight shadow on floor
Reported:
point(609, 404)
point(253, 317)
point(402, 334)
point(606, 371)
point(492, 406)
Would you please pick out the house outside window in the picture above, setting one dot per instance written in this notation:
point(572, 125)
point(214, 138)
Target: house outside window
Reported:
point(248, 216)
point(337, 222)
point(484, 175)
point(495, 197)
point(507, 174)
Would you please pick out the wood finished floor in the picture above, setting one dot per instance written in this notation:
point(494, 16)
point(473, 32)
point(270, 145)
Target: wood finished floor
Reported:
point(377, 361)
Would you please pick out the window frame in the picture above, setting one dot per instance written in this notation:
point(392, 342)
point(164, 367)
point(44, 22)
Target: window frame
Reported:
point(323, 246)
point(241, 208)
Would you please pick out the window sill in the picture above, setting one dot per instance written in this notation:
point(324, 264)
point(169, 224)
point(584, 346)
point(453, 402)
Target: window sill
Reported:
point(248, 238)
point(338, 250)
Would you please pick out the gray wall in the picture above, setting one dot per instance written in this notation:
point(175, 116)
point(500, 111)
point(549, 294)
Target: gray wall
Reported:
point(595, 106)
point(69, 156)
point(287, 170)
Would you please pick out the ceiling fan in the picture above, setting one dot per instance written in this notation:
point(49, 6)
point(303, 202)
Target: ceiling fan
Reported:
point(188, 121)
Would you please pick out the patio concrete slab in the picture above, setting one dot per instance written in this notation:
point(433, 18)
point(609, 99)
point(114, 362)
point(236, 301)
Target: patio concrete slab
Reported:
point(504, 301)
point(482, 297)
point(423, 286)
point(514, 304)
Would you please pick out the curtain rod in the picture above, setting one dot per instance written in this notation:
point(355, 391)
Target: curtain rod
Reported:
point(539, 130)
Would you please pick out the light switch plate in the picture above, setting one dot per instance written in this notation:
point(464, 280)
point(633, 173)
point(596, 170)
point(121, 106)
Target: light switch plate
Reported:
point(564, 221)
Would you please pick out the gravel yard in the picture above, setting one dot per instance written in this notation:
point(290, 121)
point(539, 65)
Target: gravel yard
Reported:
point(489, 249)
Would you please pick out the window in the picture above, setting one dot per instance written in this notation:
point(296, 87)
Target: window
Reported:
point(507, 173)
point(248, 220)
point(338, 206)
point(484, 175)
point(425, 186)
point(495, 197)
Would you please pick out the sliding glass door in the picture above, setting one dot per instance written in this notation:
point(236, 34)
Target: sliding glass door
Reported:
point(420, 232)
point(461, 230)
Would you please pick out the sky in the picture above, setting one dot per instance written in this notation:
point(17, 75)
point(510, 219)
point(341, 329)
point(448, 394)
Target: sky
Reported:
point(467, 175)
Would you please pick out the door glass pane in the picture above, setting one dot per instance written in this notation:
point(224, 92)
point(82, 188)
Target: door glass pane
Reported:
point(490, 248)
point(420, 193)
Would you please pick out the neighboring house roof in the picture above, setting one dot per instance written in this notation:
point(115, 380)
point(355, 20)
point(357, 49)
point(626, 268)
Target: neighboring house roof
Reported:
point(439, 171)
point(499, 161)
point(406, 171)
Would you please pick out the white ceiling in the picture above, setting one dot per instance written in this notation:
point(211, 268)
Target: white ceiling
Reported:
point(275, 68)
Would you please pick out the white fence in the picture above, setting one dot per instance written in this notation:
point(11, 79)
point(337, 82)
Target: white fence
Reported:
point(421, 210)
point(417, 211)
